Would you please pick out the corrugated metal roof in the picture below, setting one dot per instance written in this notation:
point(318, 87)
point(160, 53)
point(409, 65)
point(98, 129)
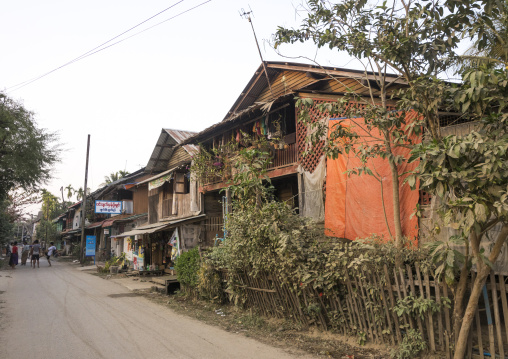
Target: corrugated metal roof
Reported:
point(246, 102)
point(108, 222)
point(166, 143)
point(237, 117)
point(94, 225)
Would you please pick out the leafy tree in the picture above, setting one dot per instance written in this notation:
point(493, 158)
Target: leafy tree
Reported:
point(491, 39)
point(402, 39)
point(469, 174)
point(27, 155)
point(51, 208)
point(417, 40)
point(27, 152)
point(50, 205)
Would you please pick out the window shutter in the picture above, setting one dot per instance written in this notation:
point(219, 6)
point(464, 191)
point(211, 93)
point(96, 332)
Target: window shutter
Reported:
point(180, 183)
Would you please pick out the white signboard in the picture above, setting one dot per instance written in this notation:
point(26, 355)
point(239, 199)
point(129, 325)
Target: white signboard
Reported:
point(109, 207)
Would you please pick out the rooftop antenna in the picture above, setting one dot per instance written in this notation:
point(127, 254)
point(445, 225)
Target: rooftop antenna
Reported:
point(247, 15)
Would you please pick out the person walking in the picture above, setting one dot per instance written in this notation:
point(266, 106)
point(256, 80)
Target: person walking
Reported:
point(52, 249)
point(35, 253)
point(24, 254)
point(13, 261)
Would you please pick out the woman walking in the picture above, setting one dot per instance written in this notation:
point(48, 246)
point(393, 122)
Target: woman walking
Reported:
point(24, 253)
point(13, 261)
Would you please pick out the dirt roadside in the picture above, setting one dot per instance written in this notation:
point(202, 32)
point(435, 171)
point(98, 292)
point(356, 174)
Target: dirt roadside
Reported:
point(277, 333)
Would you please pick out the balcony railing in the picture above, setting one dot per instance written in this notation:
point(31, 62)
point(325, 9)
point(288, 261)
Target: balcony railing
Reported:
point(285, 156)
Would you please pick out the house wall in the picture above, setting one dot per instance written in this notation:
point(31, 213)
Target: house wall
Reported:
point(173, 205)
point(76, 222)
point(179, 156)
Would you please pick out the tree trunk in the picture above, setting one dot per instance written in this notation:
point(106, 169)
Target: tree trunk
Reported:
point(396, 205)
point(458, 300)
point(467, 320)
point(472, 304)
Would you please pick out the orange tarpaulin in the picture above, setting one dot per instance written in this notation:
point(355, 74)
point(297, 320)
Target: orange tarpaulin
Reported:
point(354, 204)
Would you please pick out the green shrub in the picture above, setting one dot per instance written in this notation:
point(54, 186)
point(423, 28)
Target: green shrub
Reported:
point(411, 346)
point(187, 266)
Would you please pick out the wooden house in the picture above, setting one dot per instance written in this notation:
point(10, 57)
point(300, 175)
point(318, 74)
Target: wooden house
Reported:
point(174, 204)
point(266, 107)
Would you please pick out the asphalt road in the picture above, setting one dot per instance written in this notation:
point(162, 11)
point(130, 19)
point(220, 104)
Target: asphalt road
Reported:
point(60, 312)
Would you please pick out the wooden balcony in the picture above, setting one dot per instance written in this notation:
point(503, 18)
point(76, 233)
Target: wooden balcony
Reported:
point(281, 158)
point(285, 157)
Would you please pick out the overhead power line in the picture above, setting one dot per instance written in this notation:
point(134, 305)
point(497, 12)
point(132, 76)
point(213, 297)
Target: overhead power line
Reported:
point(102, 46)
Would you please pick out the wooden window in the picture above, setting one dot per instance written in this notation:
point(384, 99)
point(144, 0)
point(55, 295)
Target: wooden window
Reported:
point(180, 183)
point(153, 209)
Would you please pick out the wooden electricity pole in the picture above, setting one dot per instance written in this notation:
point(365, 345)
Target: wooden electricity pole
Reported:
point(83, 206)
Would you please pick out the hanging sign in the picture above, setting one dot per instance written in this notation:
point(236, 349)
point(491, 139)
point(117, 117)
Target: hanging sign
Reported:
point(110, 207)
point(90, 246)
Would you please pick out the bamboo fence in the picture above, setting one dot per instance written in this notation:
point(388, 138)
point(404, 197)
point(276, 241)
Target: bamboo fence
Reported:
point(364, 305)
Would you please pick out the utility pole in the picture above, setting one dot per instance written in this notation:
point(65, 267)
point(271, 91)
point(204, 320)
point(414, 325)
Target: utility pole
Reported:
point(83, 206)
point(247, 16)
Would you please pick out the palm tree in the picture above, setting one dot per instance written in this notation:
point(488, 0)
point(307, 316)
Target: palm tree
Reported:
point(114, 176)
point(70, 191)
point(79, 193)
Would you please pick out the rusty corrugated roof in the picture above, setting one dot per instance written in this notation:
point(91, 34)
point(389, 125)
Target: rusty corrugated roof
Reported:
point(246, 102)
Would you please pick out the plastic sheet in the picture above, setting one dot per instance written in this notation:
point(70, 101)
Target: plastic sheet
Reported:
point(354, 204)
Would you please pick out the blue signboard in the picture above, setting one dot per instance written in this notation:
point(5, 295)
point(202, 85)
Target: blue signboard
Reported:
point(90, 246)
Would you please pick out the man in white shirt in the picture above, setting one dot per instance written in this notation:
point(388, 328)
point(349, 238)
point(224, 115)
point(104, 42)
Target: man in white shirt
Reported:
point(51, 250)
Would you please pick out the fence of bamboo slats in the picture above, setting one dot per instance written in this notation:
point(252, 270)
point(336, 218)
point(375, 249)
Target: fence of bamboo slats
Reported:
point(365, 305)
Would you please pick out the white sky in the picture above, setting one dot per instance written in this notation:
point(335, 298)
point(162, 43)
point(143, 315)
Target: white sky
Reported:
point(183, 74)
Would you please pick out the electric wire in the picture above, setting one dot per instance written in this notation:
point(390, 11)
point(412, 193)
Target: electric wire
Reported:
point(101, 47)
point(95, 48)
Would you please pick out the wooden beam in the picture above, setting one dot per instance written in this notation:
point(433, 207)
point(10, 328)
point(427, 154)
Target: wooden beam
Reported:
point(333, 72)
point(276, 172)
point(260, 73)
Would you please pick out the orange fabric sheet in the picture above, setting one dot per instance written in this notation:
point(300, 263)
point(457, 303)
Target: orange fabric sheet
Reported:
point(354, 204)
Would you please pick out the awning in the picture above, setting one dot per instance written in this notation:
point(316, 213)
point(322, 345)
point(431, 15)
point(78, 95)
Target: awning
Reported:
point(72, 231)
point(158, 180)
point(158, 227)
point(132, 218)
point(171, 224)
point(149, 228)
